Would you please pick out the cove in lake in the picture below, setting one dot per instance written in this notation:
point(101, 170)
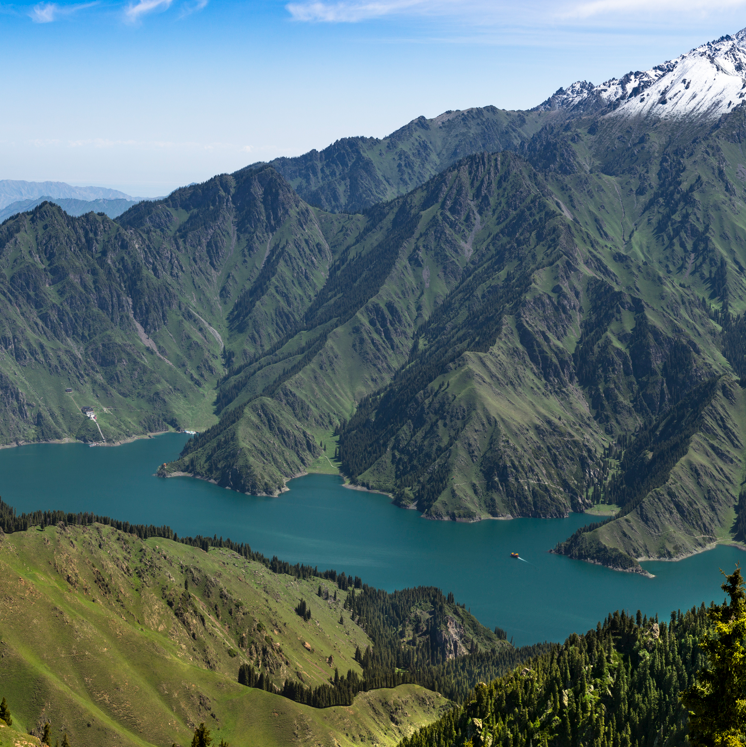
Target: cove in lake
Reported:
point(321, 523)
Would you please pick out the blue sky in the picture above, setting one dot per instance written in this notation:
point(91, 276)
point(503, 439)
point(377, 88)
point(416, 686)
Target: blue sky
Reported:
point(147, 95)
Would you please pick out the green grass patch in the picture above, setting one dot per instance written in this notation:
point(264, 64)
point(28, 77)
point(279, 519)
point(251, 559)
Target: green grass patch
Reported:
point(603, 509)
point(327, 463)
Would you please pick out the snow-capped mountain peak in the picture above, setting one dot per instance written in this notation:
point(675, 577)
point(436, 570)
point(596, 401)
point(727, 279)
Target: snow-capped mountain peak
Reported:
point(708, 81)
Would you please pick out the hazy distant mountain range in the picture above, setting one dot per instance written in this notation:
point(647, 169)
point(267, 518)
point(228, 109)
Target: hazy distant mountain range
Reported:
point(12, 190)
point(495, 313)
point(112, 208)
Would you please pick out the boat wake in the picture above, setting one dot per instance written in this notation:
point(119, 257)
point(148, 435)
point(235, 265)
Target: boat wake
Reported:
point(516, 556)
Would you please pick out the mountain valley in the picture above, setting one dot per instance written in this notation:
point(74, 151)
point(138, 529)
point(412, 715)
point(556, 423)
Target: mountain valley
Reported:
point(533, 312)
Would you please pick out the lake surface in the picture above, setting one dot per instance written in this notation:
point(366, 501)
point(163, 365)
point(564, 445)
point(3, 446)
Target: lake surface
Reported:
point(321, 523)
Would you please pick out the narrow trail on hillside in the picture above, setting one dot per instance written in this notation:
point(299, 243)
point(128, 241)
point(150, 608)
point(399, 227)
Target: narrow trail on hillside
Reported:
point(211, 330)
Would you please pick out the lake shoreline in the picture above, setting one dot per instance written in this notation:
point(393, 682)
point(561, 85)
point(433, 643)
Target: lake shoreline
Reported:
point(319, 524)
point(276, 494)
point(360, 488)
point(638, 571)
point(700, 551)
point(63, 441)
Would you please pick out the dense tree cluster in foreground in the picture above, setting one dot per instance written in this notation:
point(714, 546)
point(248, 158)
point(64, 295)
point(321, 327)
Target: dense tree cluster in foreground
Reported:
point(632, 682)
point(616, 686)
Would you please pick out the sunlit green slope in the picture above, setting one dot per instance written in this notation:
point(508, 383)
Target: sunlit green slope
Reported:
point(115, 640)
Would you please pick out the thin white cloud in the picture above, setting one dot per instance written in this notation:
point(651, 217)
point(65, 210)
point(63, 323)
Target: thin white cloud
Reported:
point(44, 12)
point(135, 11)
point(353, 11)
point(490, 14)
point(625, 7)
point(50, 12)
point(193, 7)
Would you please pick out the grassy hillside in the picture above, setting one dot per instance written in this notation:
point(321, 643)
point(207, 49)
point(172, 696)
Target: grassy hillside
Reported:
point(12, 737)
point(135, 642)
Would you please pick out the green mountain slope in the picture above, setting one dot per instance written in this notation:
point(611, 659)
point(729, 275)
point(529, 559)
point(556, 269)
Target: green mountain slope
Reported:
point(420, 253)
point(356, 173)
point(13, 737)
point(135, 642)
point(676, 483)
point(135, 319)
point(487, 345)
point(85, 307)
point(621, 321)
point(518, 319)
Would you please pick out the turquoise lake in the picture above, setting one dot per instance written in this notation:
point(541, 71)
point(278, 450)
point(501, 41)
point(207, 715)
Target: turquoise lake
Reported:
point(321, 523)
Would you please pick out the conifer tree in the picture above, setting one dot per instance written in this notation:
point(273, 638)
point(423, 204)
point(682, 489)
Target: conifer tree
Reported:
point(46, 734)
point(201, 736)
point(716, 702)
point(5, 713)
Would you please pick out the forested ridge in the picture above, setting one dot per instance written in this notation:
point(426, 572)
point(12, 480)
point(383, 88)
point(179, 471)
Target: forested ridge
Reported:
point(618, 685)
point(419, 637)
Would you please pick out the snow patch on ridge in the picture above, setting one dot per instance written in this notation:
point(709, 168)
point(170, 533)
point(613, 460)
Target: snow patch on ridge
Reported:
point(708, 81)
